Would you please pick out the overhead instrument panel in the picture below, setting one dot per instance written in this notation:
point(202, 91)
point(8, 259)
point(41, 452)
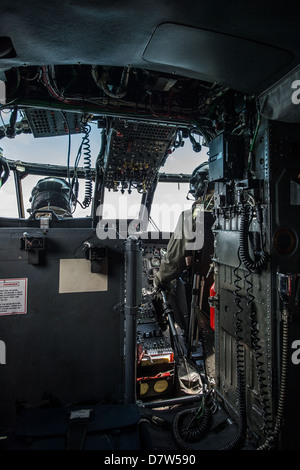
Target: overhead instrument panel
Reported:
point(135, 152)
point(49, 123)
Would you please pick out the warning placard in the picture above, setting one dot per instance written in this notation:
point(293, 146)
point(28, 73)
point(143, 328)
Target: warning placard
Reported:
point(13, 296)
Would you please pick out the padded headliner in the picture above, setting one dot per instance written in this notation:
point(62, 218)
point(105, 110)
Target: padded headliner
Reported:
point(117, 33)
point(215, 56)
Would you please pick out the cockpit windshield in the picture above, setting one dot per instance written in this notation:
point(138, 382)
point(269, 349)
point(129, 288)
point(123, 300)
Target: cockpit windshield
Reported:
point(66, 157)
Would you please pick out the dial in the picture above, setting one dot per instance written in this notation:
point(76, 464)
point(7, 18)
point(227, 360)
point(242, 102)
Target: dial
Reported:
point(155, 262)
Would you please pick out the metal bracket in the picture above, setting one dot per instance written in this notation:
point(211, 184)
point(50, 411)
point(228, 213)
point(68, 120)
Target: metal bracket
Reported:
point(34, 246)
point(97, 256)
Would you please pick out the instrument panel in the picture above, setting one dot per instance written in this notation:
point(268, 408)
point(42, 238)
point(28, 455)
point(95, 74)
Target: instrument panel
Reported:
point(152, 257)
point(155, 355)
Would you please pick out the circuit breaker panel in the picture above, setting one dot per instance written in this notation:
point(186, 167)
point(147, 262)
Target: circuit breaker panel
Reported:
point(256, 265)
point(136, 151)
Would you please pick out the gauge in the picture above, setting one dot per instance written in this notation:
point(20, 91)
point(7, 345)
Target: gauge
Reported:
point(155, 262)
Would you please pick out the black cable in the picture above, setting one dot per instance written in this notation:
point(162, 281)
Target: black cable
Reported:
point(69, 147)
point(240, 369)
point(178, 141)
point(186, 433)
point(261, 262)
point(270, 441)
point(74, 184)
point(100, 157)
point(11, 128)
point(87, 166)
point(259, 364)
point(4, 171)
point(196, 145)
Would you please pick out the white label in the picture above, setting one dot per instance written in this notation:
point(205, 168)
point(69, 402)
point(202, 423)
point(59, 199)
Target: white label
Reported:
point(82, 414)
point(13, 296)
point(75, 276)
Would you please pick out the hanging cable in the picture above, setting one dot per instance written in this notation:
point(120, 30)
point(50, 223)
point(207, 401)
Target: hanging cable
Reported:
point(54, 93)
point(250, 156)
point(87, 165)
point(283, 382)
point(259, 364)
point(74, 184)
point(240, 367)
point(261, 262)
point(196, 145)
point(69, 147)
point(4, 170)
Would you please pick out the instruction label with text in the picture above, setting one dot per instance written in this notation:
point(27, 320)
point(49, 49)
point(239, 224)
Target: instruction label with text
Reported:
point(13, 296)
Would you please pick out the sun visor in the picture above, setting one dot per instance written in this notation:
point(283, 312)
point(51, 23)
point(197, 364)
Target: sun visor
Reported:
point(239, 63)
point(282, 101)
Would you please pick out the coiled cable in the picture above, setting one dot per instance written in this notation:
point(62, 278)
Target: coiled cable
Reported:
point(74, 183)
point(240, 368)
point(283, 384)
point(195, 430)
point(87, 165)
point(260, 373)
point(261, 262)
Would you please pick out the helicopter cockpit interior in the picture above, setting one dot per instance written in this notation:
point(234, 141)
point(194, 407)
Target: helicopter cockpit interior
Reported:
point(93, 355)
